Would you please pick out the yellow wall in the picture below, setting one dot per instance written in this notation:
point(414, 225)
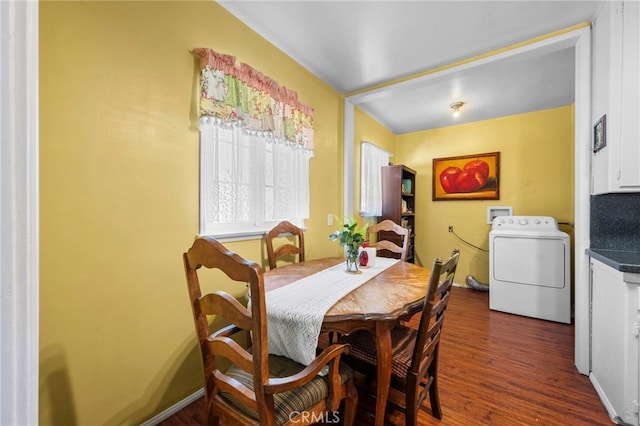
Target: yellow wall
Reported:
point(119, 194)
point(536, 178)
point(119, 198)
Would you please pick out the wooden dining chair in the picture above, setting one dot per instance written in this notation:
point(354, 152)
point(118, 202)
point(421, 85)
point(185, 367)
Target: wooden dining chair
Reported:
point(397, 243)
point(257, 388)
point(284, 228)
point(414, 370)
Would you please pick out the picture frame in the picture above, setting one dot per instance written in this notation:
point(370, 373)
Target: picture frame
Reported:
point(466, 177)
point(600, 134)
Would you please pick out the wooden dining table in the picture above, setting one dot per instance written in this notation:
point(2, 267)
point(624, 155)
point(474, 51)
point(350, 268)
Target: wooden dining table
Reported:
point(376, 306)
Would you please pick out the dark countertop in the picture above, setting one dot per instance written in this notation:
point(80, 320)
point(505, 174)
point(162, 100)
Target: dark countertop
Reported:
point(623, 261)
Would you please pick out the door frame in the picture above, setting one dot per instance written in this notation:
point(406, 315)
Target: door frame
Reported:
point(19, 213)
point(580, 40)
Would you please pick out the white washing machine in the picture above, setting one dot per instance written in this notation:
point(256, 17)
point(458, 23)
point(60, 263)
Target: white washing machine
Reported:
point(529, 268)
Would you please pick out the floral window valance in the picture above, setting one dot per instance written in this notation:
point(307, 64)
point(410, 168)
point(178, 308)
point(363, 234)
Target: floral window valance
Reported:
point(243, 96)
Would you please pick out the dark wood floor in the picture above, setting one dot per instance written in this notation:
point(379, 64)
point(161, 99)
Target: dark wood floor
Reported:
point(495, 369)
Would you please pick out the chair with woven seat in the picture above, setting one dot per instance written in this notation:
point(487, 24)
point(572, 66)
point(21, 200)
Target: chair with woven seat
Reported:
point(388, 226)
point(414, 370)
point(288, 248)
point(257, 388)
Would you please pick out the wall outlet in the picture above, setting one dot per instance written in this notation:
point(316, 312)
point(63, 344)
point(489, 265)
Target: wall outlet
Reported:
point(450, 228)
point(329, 219)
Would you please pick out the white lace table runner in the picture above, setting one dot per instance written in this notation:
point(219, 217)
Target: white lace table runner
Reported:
point(295, 312)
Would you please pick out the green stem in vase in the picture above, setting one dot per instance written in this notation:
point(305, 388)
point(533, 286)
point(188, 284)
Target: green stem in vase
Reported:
point(350, 237)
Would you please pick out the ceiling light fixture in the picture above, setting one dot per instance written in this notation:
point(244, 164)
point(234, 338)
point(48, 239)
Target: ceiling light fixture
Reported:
point(455, 107)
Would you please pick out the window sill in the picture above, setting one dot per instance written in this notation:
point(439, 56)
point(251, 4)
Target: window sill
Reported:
point(241, 235)
point(226, 237)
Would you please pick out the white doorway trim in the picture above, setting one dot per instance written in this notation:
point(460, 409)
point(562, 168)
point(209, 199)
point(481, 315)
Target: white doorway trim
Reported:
point(582, 188)
point(580, 40)
point(19, 215)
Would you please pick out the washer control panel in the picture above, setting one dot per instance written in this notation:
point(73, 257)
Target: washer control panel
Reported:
point(530, 223)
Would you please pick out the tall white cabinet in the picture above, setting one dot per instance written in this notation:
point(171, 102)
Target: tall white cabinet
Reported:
point(616, 94)
point(615, 354)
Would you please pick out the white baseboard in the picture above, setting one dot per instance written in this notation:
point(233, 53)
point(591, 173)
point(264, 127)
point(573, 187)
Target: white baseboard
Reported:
point(174, 408)
point(605, 401)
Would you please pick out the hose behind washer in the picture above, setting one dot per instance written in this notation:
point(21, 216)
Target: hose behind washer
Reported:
point(475, 284)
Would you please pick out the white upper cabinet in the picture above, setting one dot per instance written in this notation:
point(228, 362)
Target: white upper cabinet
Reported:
point(616, 96)
point(630, 102)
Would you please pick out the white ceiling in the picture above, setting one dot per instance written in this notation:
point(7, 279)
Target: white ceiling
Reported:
point(356, 45)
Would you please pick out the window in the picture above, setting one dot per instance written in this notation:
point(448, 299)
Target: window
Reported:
point(256, 139)
point(249, 181)
point(373, 158)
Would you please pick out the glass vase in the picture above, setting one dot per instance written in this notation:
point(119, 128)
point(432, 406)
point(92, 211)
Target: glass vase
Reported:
point(352, 262)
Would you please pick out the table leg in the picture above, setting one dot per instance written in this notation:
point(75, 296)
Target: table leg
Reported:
point(383, 340)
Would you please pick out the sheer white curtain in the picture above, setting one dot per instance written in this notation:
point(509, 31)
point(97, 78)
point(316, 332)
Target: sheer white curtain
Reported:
point(373, 158)
point(249, 181)
point(290, 181)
